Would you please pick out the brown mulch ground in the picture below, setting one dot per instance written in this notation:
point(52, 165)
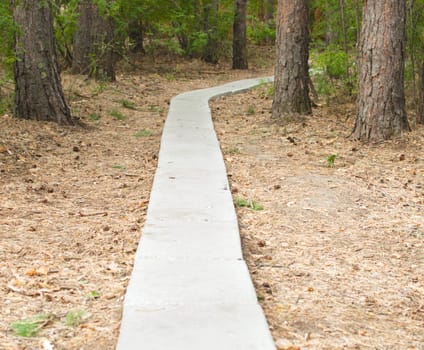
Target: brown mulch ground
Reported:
point(74, 199)
point(337, 254)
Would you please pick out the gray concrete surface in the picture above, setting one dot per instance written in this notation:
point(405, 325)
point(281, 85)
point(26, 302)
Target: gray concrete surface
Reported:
point(190, 287)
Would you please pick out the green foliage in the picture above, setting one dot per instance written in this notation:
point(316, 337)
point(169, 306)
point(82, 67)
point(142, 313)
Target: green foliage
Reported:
point(143, 133)
point(65, 14)
point(248, 203)
point(234, 150)
point(94, 116)
point(7, 30)
point(30, 327)
point(259, 32)
point(128, 104)
point(119, 167)
point(332, 61)
point(94, 294)
point(251, 110)
point(333, 71)
point(327, 22)
point(331, 160)
point(117, 115)
point(74, 318)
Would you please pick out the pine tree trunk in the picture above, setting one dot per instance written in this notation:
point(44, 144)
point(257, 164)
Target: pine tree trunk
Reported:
point(421, 95)
point(239, 36)
point(136, 37)
point(381, 99)
point(93, 43)
point(291, 95)
point(38, 90)
point(210, 14)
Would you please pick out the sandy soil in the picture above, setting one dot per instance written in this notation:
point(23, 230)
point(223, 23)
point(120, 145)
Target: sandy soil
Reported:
point(337, 254)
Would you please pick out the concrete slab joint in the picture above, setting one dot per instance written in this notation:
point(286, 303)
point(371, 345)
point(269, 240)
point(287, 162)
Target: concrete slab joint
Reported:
point(190, 287)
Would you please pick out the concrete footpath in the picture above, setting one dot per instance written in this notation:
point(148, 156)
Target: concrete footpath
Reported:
point(190, 288)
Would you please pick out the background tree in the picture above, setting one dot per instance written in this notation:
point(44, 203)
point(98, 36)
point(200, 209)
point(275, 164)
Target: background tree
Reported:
point(239, 36)
point(94, 46)
point(38, 90)
point(291, 93)
point(210, 26)
point(381, 100)
point(415, 33)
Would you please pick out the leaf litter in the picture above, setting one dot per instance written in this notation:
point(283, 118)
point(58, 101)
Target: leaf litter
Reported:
point(337, 256)
point(74, 200)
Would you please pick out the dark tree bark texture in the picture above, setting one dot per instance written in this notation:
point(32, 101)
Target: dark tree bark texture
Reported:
point(381, 100)
point(421, 96)
point(210, 18)
point(93, 43)
point(136, 37)
point(291, 95)
point(38, 90)
point(240, 36)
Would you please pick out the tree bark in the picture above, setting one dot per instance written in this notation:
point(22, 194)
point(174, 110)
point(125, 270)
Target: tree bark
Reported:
point(93, 43)
point(381, 99)
point(291, 96)
point(38, 90)
point(210, 14)
point(136, 37)
point(421, 95)
point(240, 36)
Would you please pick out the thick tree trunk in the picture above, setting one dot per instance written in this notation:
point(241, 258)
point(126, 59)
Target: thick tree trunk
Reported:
point(381, 100)
point(38, 90)
point(292, 71)
point(239, 36)
point(93, 43)
point(210, 14)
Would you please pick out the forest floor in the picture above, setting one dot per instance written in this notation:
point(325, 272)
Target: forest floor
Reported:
point(336, 254)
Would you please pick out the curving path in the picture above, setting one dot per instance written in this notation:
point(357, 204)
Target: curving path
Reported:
point(190, 288)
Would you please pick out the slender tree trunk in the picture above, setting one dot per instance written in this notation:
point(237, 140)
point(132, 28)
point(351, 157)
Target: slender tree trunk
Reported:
point(210, 54)
point(421, 96)
point(136, 37)
point(38, 90)
point(381, 100)
point(93, 43)
point(239, 36)
point(292, 71)
point(269, 18)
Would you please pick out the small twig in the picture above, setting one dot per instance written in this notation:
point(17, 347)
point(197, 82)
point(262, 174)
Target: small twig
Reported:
point(132, 175)
point(103, 213)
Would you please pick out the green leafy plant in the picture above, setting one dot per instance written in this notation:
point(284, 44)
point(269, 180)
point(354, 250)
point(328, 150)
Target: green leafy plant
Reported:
point(74, 318)
point(30, 327)
point(101, 86)
point(251, 110)
point(120, 167)
point(143, 133)
point(128, 104)
point(94, 116)
point(248, 203)
point(234, 150)
point(157, 109)
point(331, 159)
point(117, 115)
point(271, 90)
